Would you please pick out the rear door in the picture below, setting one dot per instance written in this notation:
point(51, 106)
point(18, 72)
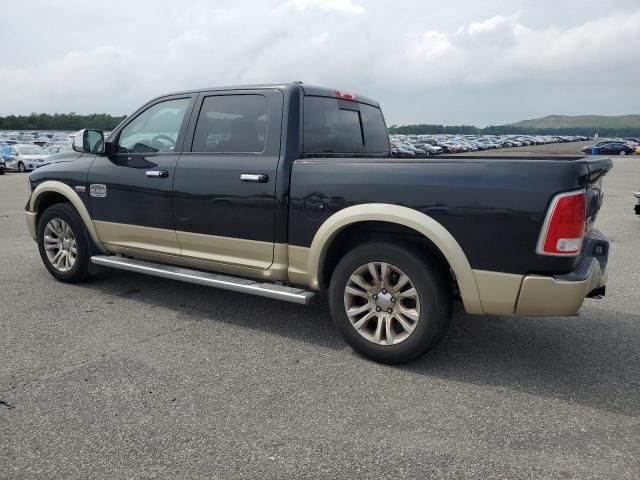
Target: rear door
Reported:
point(224, 189)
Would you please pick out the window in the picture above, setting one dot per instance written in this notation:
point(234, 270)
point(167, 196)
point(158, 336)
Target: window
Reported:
point(231, 124)
point(328, 129)
point(334, 126)
point(154, 130)
point(376, 138)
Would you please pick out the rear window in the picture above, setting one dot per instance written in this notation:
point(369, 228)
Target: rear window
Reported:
point(333, 126)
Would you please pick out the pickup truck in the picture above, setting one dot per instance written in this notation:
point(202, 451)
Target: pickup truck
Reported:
point(285, 190)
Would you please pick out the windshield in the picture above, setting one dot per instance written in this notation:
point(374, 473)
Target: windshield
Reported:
point(30, 150)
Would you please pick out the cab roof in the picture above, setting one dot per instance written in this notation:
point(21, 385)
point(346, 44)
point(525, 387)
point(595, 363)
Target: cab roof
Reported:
point(311, 90)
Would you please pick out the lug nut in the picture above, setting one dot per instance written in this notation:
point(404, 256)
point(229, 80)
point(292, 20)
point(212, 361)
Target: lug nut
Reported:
point(378, 309)
point(375, 297)
point(384, 291)
point(393, 299)
point(389, 310)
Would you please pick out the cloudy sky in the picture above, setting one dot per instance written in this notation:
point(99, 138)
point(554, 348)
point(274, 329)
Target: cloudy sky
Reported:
point(469, 61)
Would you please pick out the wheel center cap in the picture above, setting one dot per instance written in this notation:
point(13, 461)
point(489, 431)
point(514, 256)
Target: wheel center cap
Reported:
point(65, 244)
point(384, 301)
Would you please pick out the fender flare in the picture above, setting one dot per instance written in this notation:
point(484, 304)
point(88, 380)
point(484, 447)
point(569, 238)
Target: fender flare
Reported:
point(73, 198)
point(410, 218)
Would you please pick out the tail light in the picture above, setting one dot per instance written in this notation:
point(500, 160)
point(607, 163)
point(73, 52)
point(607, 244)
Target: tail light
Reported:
point(564, 227)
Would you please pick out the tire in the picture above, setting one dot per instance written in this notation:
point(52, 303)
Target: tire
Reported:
point(21, 167)
point(432, 304)
point(55, 217)
point(622, 152)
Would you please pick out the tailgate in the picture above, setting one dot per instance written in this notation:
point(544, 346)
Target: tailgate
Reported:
point(598, 168)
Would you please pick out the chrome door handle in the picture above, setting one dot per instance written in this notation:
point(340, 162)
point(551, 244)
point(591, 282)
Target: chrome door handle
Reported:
point(254, 177)
point(157, 173)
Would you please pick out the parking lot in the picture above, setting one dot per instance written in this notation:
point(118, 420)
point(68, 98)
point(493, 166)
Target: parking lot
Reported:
point(130, 376)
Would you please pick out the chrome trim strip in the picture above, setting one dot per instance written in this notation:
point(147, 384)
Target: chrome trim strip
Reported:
point(243, 285)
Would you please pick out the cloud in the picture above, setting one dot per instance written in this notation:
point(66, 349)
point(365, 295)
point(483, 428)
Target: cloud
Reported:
point(342, 6)
point(495, 68)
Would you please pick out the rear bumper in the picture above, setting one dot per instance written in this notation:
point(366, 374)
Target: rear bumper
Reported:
point(564, 294)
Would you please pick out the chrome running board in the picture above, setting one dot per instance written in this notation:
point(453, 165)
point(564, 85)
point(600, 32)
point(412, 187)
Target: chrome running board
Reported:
point(235, 284)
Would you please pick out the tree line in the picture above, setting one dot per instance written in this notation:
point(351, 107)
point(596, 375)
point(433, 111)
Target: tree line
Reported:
point(426, 129)
point(59, 121)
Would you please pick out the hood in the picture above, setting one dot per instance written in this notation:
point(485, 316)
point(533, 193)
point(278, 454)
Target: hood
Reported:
point(62, 157)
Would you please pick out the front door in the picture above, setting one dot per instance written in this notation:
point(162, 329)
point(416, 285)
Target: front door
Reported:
point(224, 190)
point(131, 189)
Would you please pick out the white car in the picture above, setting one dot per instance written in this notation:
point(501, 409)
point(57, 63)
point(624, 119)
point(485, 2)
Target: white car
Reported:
point(53, 149)
point(24, 157)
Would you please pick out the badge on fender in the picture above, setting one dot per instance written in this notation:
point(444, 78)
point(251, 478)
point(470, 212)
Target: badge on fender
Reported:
point(98, 190)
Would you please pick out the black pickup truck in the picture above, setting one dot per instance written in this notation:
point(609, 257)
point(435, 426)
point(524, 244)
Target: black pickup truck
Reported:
point(287, 189)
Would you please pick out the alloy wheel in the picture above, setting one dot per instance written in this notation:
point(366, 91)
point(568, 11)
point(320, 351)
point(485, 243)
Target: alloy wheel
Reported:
point(60, 244)
point(382, 303)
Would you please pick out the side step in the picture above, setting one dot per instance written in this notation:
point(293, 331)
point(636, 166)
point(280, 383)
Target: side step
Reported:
point(235, 284)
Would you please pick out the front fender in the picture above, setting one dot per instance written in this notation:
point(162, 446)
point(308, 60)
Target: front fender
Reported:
point(67, 192)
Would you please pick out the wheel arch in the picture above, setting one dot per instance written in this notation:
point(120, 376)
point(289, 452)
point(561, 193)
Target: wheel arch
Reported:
point(51, 192)
point(423, 226)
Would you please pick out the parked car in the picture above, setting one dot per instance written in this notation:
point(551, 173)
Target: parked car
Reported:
point(240, 188)
point(614, 149)
point(24, 157)
point(637, 205)
point(638, 150)
point(53, 149)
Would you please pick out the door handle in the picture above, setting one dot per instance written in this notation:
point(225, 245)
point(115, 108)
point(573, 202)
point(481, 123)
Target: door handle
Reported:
point(254, 177)
point(157, 173)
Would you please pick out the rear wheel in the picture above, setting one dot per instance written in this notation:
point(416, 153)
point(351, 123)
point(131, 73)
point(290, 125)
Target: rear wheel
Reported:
point(64, 244)
point(622, 152)
point(390, 304)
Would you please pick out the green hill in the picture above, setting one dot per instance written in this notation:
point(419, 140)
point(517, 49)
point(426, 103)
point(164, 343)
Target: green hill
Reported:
point(581, 121)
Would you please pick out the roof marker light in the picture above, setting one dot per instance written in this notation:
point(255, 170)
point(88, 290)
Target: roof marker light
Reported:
point(346, 96)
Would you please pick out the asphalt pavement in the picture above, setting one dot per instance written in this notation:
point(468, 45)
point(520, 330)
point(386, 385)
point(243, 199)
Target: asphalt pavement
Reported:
point(130, 376)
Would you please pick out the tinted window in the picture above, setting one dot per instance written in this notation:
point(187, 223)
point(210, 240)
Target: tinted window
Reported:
point(231, 124)
point(329, 129)
point(154, 130)
point(331, 126)
point(376, 138)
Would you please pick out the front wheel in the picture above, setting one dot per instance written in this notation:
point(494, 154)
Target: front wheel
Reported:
point(21, 167)
point(622, 152)
point(389, 302)
point(64, 244)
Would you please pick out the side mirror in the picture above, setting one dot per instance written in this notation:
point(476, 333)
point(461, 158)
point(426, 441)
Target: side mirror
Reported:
point(89, 141)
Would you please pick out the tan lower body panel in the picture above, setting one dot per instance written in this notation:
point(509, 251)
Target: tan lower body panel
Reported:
point(137, 237)
point(207, 252)
point(249, 253)
point(32, 217)
point(498, 291)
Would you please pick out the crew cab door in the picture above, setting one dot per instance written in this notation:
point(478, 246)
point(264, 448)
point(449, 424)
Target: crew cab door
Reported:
point(225, 183)
point(130, 189)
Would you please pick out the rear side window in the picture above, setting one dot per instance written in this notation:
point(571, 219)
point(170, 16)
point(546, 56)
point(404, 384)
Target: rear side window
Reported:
point(332, 126)
point(231, 124)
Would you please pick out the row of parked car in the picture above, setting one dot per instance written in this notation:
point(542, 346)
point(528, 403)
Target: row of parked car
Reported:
point(26, 151)
point(427, 145)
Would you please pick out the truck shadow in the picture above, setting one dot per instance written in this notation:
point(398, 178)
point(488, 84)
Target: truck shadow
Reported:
point(591, 359)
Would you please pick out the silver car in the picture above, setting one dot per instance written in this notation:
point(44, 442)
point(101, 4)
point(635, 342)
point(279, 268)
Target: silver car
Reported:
point(25, 158)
